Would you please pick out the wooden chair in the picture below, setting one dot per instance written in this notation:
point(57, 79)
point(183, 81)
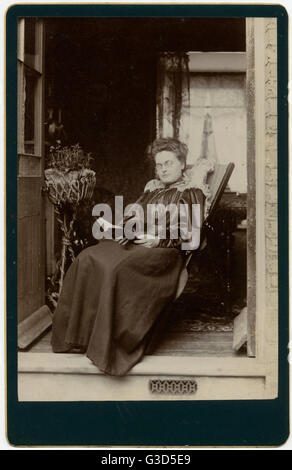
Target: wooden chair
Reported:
point(217, 181)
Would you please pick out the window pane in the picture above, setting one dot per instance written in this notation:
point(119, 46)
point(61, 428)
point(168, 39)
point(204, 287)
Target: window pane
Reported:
point(29, 36)
point(29, 112)
point(218, 103)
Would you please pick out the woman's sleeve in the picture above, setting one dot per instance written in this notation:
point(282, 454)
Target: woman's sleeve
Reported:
point(141, 200)
point(188, 198)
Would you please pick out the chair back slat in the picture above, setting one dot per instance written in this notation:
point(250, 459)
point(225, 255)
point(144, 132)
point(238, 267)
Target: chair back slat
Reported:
point(217, 181)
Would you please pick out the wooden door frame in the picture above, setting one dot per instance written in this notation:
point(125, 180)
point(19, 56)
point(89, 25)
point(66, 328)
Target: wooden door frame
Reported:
point(256, 247)
point(32, 164)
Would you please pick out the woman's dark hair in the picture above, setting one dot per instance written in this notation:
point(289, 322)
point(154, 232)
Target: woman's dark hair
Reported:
point(170, 145)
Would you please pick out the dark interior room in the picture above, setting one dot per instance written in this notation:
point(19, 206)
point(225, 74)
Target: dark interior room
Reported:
point(101, 81)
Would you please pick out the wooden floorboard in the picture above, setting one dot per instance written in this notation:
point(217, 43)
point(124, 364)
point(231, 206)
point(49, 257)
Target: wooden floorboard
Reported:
point(188, 343)
point(194, 344)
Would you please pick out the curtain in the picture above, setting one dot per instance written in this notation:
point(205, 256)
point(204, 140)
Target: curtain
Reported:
point(173, 96)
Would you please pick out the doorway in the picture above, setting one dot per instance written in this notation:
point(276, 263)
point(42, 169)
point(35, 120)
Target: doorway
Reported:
point(101, 87)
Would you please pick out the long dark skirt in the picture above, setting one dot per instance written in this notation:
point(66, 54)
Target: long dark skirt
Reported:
point(112, 297)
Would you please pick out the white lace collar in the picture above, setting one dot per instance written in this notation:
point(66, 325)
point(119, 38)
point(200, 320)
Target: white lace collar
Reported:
point(195, 177)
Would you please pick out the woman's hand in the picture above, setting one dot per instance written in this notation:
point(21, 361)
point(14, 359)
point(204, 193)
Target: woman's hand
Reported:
point(147, 241)
point(105, 224)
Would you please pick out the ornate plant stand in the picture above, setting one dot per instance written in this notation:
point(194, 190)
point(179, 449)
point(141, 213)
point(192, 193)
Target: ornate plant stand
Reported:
point(66, 190)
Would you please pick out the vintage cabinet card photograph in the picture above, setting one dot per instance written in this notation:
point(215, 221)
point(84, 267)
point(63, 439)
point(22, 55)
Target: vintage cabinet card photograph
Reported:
point(147, 233)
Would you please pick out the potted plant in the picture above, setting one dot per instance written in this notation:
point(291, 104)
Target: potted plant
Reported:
point(69, 181)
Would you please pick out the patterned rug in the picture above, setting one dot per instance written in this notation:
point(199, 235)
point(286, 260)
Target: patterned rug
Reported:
point(200, 307)
point(196, 312)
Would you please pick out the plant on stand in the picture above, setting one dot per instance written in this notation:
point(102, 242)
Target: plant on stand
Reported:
point(69, 181)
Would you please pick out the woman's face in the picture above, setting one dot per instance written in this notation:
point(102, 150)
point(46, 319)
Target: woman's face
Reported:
point(168, 167)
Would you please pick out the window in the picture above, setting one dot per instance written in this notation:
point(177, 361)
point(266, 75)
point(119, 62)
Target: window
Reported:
point(29, 86)
point(218, 103)
point(218, 106)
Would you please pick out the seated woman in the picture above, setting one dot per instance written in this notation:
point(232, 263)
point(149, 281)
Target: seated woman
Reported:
point(115, 292)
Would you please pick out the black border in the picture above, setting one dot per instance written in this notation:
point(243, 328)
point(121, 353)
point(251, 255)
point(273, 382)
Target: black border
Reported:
point(175, 423)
